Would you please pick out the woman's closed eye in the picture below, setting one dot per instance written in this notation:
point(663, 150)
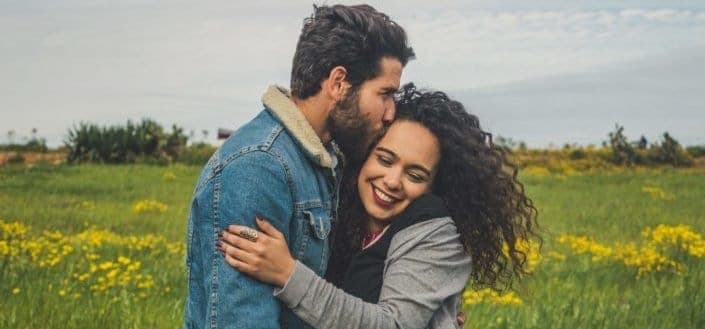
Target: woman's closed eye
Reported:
point(416, 177)
point(384, 160)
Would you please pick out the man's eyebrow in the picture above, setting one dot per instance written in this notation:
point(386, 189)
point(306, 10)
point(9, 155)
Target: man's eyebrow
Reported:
point(390, 89)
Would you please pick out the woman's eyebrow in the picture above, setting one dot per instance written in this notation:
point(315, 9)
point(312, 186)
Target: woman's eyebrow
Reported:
point(386, 150)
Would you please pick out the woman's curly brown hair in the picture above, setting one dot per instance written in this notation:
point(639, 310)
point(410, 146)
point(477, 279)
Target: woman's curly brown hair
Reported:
point(475, 179)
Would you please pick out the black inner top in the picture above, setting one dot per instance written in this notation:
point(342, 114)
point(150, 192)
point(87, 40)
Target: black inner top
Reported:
point(364, 275)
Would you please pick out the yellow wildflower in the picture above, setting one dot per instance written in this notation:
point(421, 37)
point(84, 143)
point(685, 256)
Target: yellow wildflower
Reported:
point(146, 284)
point(4, 248)
point(658, 193)
point(530, 249)
point(535, 171)
point(556, 255)
point(584, 244)
point(106, 266)
point(18, 245)
point(645, 259)
point(489, 296)
point(649, 256)
point(681, 236)
point(169, 176)
point(12, 230)
point(112, 274)
point(87, 205)
point(149, 206)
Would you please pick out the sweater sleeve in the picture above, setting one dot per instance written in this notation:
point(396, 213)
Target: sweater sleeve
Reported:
point(426, 264)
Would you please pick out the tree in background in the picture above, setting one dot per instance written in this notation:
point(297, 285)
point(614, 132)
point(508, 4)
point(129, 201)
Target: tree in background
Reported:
point(670, 152)
point(622, 151)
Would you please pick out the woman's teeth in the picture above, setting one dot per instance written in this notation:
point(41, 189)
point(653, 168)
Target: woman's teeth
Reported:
point(384, 197)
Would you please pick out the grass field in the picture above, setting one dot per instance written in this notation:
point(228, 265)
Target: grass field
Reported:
point(102, 247)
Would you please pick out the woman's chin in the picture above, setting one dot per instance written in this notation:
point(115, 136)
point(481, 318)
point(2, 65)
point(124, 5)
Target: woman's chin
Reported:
point(380, 215)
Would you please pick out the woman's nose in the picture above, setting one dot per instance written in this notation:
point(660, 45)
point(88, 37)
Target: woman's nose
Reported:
point(392, 180)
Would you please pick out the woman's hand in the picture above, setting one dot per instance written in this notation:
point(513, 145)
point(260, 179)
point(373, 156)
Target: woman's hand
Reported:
point(267, 258)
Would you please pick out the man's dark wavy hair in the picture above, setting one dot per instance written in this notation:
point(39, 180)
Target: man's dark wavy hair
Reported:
point(478, 184)
point(355, 37)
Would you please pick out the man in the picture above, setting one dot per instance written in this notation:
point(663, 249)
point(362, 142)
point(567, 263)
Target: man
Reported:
point(284, 166)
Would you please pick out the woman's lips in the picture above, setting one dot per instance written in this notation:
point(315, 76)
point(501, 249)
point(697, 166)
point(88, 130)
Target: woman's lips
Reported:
point(382, 199)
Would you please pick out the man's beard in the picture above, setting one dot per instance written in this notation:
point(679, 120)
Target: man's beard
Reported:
point(351, 130)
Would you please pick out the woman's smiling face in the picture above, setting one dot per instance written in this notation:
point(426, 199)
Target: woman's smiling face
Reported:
point(400, 169)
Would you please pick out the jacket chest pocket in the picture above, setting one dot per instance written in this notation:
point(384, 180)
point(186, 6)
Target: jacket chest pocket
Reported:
point(314, 228)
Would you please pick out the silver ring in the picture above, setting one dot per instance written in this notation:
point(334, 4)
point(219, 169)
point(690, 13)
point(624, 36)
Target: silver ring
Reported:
point(249, 234)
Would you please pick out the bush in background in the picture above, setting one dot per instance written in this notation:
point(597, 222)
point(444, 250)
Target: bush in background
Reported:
point(696, 151)
point(667, 152)
point(143, 142)
point(197, 154)
point(623, 153)
point(33, 145)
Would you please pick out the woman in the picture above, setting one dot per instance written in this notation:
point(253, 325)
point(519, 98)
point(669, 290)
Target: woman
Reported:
point(433, 205)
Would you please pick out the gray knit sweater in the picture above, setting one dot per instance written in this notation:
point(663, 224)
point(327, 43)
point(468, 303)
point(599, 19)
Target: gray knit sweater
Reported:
point(424, 275)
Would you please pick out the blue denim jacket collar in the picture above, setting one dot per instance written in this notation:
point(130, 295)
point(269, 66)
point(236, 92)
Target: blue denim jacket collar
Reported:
point(278, 100)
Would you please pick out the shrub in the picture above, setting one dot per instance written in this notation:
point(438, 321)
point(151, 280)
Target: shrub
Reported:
point(507, 144)
point(622, 151)
point(145, 142)
point(696, 151)
point(197, 154)
point(669, 152)
point(577, 154)
point(33, 145)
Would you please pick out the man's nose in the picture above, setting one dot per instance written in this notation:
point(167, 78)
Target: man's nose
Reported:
point(389, 112)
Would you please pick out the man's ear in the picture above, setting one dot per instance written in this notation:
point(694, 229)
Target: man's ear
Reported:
point(336, 85)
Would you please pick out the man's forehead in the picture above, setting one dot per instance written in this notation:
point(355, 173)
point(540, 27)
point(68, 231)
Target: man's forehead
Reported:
point(390, 75)
point(391, 66)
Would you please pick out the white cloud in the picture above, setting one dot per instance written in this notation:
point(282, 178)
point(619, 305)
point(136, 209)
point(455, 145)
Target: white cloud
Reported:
point(195, 64)
point(488, 47)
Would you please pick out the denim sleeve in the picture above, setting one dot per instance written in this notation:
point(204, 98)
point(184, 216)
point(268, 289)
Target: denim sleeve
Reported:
point(253, 183)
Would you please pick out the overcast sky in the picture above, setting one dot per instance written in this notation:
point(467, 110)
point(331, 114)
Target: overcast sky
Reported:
point(545, 72)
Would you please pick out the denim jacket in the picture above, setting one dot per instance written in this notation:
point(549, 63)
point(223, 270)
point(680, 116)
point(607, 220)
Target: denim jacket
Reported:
point(274, 166)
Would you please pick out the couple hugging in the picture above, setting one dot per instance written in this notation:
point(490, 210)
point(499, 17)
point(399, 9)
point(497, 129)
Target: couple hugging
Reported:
point(349, 201)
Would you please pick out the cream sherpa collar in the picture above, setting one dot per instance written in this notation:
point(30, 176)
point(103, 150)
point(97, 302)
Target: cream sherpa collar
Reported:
point(278, 100)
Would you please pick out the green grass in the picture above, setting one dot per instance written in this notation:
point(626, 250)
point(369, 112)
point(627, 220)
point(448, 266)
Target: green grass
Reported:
point(571, 293)
point(49, 198)
point(580, 293)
